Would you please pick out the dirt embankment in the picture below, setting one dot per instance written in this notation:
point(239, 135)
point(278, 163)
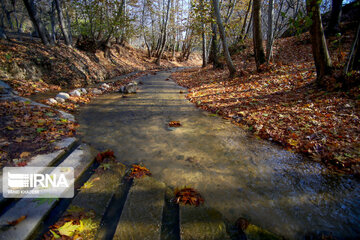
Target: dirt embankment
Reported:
point(31, 65)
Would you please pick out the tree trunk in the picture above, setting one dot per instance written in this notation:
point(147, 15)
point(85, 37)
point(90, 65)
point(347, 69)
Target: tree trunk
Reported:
point(333, 26)
point(62, 23)
point(68, 22)
point(2, 34)
point(162, 47)
point(245, 19)
point(229, 62)
point(270, 31)
point(39, 27)
point(353, 61)
point(320, 51)
point(53, 21)
point(213, 57)
point(257, 34)
point(203, 35)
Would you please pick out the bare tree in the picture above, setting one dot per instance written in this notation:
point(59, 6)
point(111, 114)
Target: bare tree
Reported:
point(229, 62)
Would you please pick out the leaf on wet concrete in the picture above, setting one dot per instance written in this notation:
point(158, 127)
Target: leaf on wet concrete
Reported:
point(17, 221)
point(174, 124)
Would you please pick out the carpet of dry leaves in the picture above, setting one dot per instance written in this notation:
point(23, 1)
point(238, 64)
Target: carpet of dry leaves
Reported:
point(27, 130)
point(282, 104)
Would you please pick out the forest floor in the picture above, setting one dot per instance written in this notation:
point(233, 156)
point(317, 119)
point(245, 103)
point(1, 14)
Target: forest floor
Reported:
point(282, 104)
point(32, 69)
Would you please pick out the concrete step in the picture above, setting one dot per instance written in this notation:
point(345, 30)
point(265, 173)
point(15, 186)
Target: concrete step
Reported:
point(142, 214)
point(96, 199)
point(201, 223)
point(44, 160)
point(80, 159)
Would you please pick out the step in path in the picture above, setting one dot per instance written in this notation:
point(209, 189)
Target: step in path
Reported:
point(121, 208)
point(142, 212)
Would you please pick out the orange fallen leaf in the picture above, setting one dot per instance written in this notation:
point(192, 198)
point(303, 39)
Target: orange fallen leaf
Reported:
point(17, 221)
point(174, 124)
point(24, 154)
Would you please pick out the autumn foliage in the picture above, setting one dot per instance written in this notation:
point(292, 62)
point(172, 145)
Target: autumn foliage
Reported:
point(283, 105)
point(138, 171)
point(28, 130)
point(188, 196)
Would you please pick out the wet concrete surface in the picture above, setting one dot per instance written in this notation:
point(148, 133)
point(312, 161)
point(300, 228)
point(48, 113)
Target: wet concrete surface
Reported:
point(238, 175)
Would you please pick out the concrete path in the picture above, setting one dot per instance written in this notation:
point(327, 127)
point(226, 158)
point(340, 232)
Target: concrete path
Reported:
point(238, 175)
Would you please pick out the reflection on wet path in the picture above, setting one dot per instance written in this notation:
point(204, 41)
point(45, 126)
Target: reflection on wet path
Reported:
point(237, 174)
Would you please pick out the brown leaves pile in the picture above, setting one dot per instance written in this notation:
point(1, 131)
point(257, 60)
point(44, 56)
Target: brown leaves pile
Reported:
point(27, 130)
point(282, 104)
point(189, 196)
point(138, 171)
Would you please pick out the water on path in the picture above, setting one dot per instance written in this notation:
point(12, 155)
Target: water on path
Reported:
point(238, 175)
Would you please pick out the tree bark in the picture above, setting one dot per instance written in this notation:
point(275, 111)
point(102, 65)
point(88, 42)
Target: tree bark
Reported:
point(62, 23)
point(203, 35)
point(229, 62)
point(39, 26)
point(353, 62)
point(319, 48)
point(270, 31)
point(2, 34)
point(333, 26)
point(162, 47)
point(257, 35)
point(245, 19)
point(213, 56)
point(53, 21)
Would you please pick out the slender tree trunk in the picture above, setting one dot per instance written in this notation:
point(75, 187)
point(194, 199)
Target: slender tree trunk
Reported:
point(213, 57)
point(62, 23)
point(53, 21)
point(2, 34)
point(165, 34)
point(270, 31)
point(245, 19)
point(353, 62)
point(39, 27)
point(8, 14)
point(333, 26)
point(229, 62)
point(320, 51)
point(248, 27)
point(230, 12)
point(203, 35)
point(68, 23)
point(257, 35)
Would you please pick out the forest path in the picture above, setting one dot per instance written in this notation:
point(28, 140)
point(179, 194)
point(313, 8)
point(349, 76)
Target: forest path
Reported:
point(237, 174)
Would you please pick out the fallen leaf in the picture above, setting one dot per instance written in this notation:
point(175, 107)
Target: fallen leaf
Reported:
point(17, 221)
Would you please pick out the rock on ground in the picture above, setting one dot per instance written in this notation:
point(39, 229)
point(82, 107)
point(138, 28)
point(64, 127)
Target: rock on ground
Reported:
point(97, 91)
point(52, 101)
point(75, 93)
point(129, 88)
point(63, 95)
point(60, 100)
